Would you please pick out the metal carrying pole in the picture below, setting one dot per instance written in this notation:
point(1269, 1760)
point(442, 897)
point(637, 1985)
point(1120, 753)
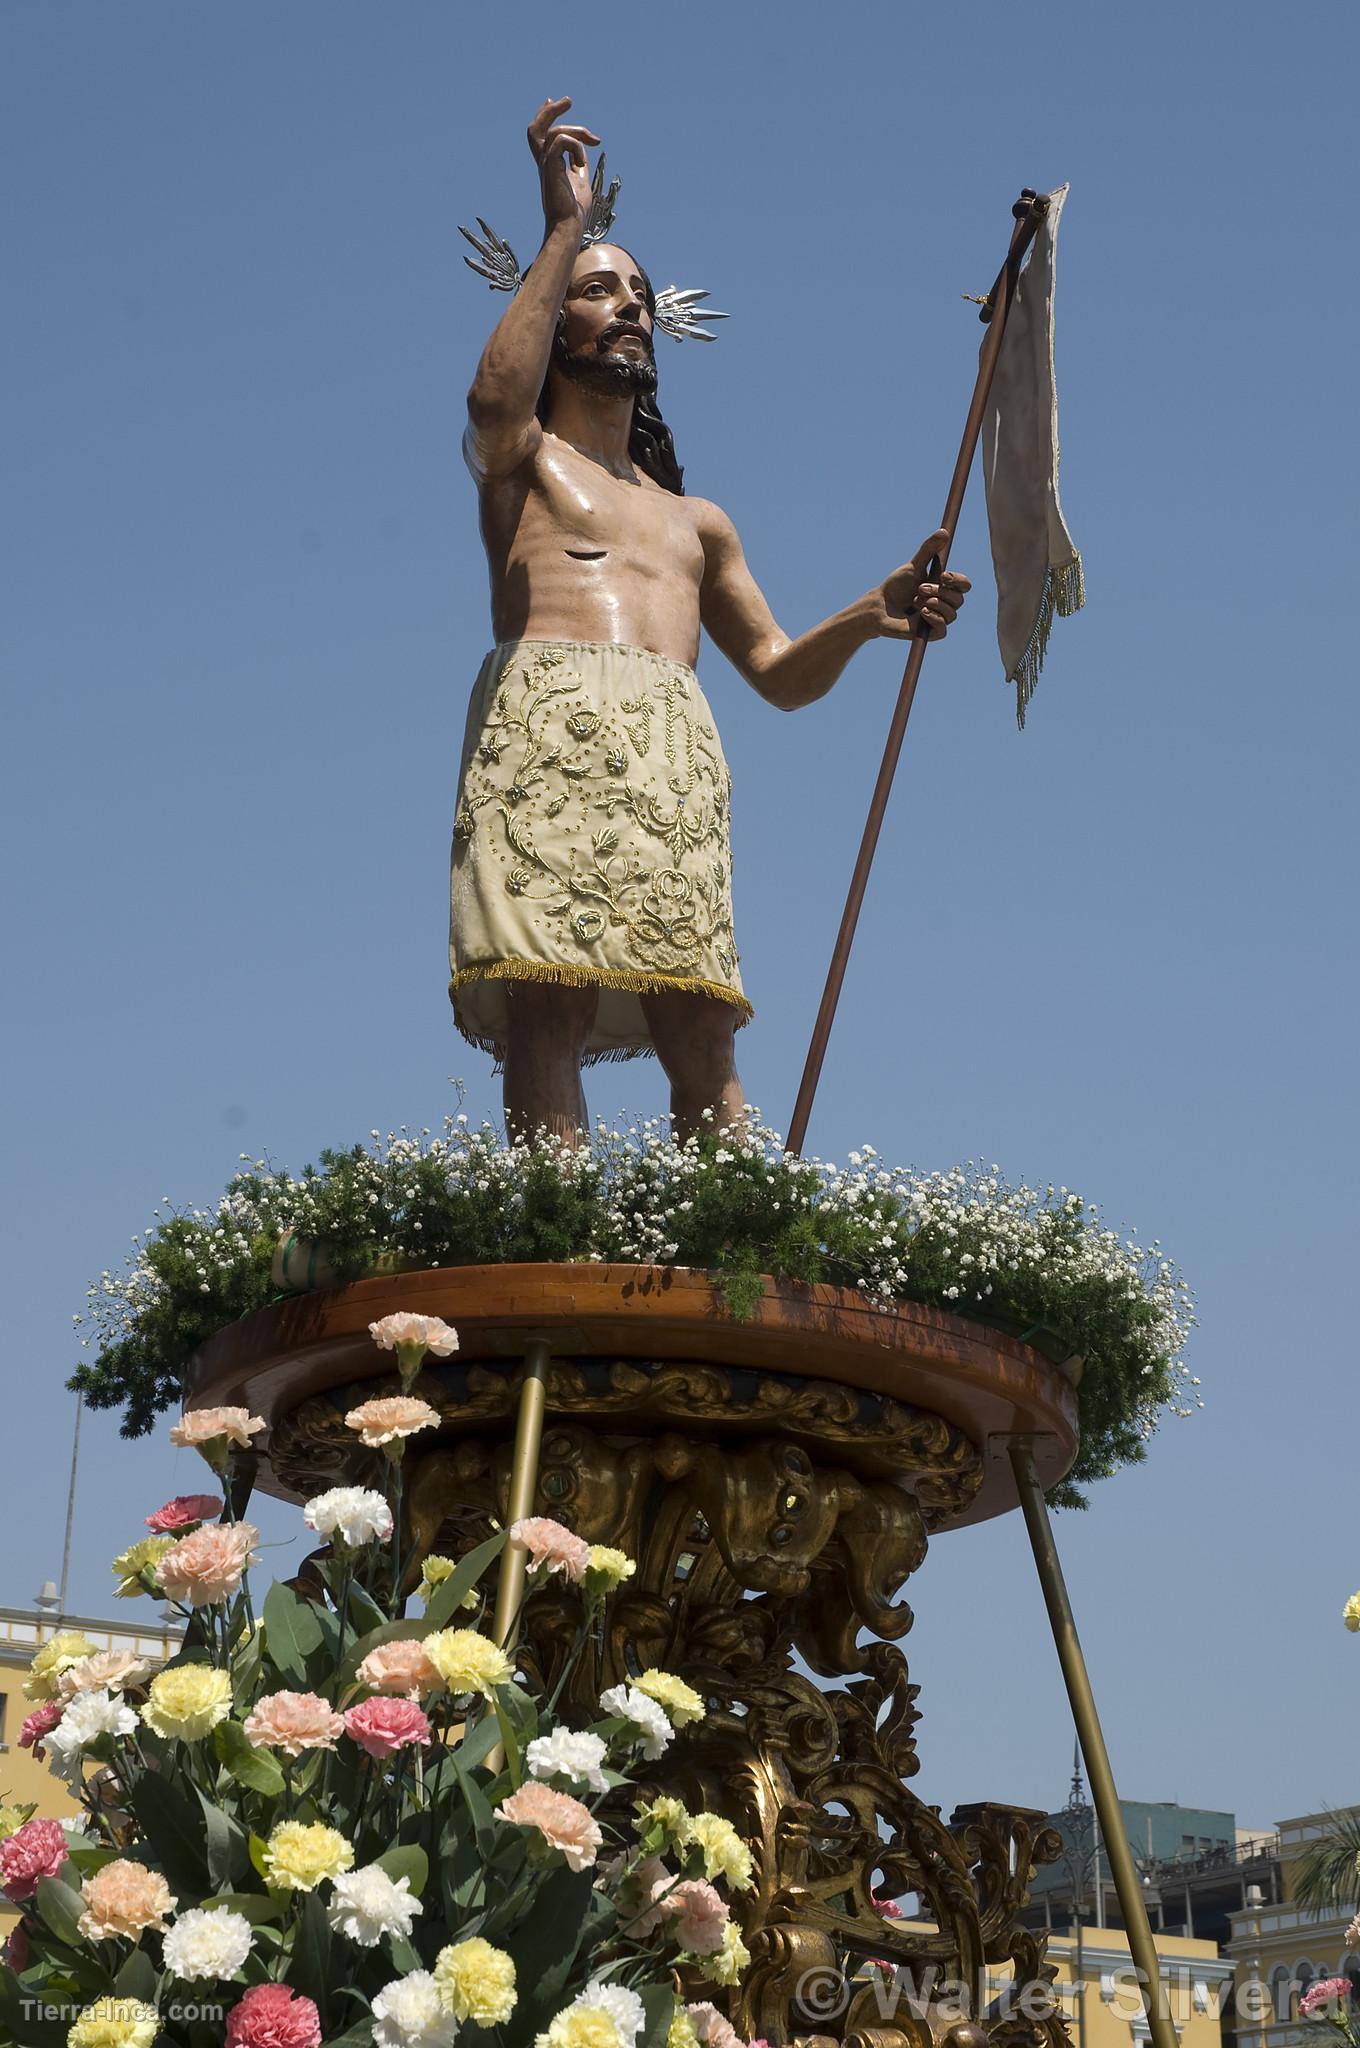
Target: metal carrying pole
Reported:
point(1103, 1795)
point(523, 1482)
point(533, 1396)
point(1028, 210)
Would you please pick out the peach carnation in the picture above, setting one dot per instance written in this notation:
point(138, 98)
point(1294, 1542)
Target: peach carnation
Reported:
point(403, 1667)
point(199, 1426)
point(404, 1331)
point(206, 1566)
point(697, 1915)
point(273, 2016)
point(383, 1726)
point(183, 1511)
point(123, 1900)
point(37, 1849)
point(552, 1548)
point(391, 1419)
point(292, 1722)
point(107, 1670)
point(563, 1822)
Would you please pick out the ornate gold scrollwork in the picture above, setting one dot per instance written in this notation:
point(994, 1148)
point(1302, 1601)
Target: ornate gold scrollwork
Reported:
point(770, 1518)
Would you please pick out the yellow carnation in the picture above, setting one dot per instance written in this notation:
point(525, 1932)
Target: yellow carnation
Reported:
point(680, 2033)
point(608, 1568)
point(580, 2026)
point(1350, 1613)
point(725, 1853)
point(467, 1661)
point(433, 1573)
point(12, 1818)
point(298, 1856)
point(476, 1981)
point(115, 2022)
point(65, 1648)
point(138, 1558)
point(732, 1958)
point(187, 1701)
point(670, 1815)
point(680, 1701)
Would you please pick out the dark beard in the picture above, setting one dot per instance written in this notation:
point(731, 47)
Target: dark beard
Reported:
point(611, 376)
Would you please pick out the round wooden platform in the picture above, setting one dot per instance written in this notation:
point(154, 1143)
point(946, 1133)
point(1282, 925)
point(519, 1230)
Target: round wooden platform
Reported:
point(987, 1384)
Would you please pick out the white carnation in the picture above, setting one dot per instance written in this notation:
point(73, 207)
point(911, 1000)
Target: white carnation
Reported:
point(367, 1904)
point(88, 1716)
point(207, 1944)
point(624, 2007)
point(408, 2014)
point(567, 1754)
point(356, 1514)
point(651, 1721)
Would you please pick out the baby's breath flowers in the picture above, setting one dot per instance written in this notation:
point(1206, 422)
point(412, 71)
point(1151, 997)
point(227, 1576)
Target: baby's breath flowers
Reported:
point(1038, 1263)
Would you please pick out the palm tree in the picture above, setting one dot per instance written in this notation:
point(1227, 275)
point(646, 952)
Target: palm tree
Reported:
point(1327, 1877)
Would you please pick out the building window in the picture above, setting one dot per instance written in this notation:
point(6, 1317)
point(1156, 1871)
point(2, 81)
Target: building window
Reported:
point(1281, 1985)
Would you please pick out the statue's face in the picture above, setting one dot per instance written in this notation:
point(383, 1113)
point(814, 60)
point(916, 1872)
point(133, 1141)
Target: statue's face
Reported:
point(605, 317)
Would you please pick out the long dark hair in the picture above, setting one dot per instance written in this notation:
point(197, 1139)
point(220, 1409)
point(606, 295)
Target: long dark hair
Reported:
point(649, 439)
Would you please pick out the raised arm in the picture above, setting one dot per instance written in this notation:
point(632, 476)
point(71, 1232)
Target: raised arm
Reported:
point(789, 673)
point(502, 429)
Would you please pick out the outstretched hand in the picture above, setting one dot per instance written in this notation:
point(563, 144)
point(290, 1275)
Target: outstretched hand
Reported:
point(908, 607)
point(564, 172)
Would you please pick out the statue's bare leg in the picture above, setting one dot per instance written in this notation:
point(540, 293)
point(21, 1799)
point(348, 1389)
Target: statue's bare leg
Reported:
point(548, 1027)
point(693, 1039)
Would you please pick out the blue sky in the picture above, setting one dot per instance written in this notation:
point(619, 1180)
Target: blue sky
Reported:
point(246, 599)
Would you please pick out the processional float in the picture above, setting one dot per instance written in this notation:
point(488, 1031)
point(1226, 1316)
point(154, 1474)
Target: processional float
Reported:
point(778, 1480)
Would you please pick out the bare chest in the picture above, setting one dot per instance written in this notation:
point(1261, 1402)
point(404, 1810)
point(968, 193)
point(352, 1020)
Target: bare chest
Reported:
point(578, 507)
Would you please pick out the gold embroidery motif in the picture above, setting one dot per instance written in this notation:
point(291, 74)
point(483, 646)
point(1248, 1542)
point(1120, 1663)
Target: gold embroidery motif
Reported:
point(602, 813)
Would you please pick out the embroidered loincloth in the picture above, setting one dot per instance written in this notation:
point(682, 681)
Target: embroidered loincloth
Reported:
point(591, 844)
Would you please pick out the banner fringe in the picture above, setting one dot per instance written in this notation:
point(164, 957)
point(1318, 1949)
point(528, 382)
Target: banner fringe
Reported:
point(1064, 593)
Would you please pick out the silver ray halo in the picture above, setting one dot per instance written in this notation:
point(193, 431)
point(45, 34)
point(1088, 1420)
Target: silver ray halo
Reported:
point(676, 309)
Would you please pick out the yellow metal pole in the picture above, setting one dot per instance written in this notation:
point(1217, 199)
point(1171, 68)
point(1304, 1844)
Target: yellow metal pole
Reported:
point(1127, 1888)
point(523, 1484)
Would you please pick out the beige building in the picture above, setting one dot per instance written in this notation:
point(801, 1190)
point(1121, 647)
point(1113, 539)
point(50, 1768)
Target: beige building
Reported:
point(1278, 1949)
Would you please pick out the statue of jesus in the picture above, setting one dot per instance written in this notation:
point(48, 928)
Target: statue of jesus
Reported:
point(591, 898)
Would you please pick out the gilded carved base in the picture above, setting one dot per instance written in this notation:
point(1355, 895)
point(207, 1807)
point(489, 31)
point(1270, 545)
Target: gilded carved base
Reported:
point(772, 1520)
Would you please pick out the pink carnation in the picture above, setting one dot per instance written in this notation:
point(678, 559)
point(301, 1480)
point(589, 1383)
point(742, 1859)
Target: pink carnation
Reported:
point(551, 1547)
point(206, 1566)
point(561, 1820)
point(292, 1722)
point(39, 1723)
point(183, 1511)
point(1322, 1994)
point(403, 1667)
point(383, 1726)
point(713, 2028)
point(697, 1915)
point(273, 2016)
point(37, 1849)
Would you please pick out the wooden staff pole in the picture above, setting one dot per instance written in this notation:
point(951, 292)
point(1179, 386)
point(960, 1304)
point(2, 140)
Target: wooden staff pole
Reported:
point(1028, 210)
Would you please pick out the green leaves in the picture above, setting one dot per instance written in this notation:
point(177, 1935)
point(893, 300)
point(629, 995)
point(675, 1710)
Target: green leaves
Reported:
point(60, 1906)
point(169, 1814)
point(444, 1604)
point(410, 1863)
point(254, 1768)
point(295, 1638)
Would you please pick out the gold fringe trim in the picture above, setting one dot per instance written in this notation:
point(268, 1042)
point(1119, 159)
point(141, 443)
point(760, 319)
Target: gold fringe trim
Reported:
point(632, 980)
point(1064, 593)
